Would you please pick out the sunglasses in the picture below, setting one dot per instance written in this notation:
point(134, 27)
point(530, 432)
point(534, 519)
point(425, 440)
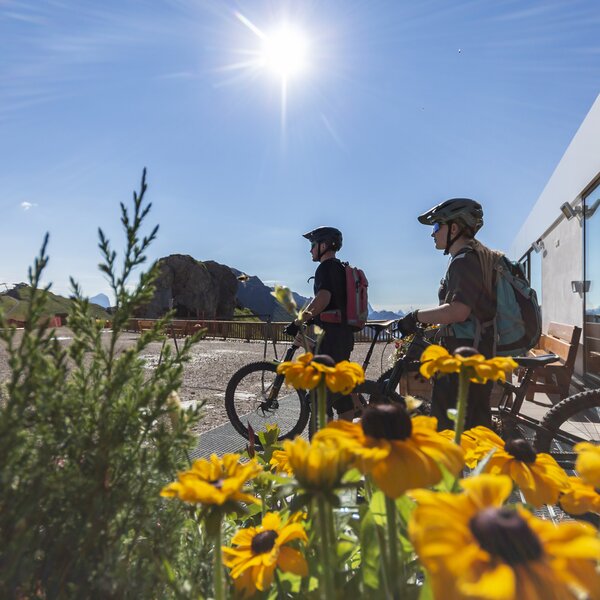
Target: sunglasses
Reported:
point(437, 227)
point(313, 244)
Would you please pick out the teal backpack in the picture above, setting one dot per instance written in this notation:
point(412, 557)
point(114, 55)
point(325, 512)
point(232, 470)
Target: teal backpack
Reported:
point(518, 320)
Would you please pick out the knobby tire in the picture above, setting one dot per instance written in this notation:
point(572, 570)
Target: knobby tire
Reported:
point(241, 411)
point(575, 411)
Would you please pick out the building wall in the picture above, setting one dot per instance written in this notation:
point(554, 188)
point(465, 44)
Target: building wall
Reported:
point(562, 262)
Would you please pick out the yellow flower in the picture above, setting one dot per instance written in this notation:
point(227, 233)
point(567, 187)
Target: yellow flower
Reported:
point(580, 497)
point(467, 443)
point(260, 550)
point(398, 452)
point(539, 476)
point(588, 463)
point(307, 372)
point(214, 481)
point(281, 463)
point(284, 296)
point(436, 359)
point(318, 466)
point(473, 548)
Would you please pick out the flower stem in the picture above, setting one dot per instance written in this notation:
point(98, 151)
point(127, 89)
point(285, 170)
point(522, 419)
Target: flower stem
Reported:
point(218, 576)
point(322, 403)
point(461, 404)
point(382, 544)
point(324, 509)
point(390, 509)
point(313, 412)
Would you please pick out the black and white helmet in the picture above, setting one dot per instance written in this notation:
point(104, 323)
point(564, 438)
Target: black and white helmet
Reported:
point(326, 234)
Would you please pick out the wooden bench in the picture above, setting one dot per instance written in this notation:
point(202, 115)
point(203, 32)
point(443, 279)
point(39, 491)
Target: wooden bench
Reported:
point(592, 345)
point(555, 378)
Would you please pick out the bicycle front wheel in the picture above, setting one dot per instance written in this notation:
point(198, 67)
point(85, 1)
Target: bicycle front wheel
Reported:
point(574, 419)
point(257, 396)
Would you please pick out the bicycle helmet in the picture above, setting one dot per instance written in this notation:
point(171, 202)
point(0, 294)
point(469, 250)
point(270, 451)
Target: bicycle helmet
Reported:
point(325, 234)
point(465, 212)
point(456, 210)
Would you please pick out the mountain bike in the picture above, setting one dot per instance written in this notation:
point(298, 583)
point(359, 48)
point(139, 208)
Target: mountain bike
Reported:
point(572, 420)
point(256, 395)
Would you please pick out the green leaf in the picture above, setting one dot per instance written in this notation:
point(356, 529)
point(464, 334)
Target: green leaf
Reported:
point(482, 463)
point(352, 476)
point(405, 506)
point(377, 508)
point(426, 591)
point(370, 551)
point(448, 482)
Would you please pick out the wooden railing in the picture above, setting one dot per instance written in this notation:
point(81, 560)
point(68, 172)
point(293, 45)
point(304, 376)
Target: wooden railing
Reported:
point(237, 330)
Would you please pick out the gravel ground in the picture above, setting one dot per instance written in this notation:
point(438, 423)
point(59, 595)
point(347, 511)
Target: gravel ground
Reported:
point(212, 364)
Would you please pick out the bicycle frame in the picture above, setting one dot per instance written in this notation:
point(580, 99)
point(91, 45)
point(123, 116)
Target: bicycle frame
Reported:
point(509, 410)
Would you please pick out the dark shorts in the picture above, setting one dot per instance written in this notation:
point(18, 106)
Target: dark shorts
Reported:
point(338, 342)
point(445, 391)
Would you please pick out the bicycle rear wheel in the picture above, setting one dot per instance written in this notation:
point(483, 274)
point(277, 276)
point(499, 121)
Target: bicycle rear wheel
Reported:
point(574, 419)
point(252, 399)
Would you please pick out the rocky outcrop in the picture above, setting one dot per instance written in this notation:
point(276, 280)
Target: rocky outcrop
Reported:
point(198, 290)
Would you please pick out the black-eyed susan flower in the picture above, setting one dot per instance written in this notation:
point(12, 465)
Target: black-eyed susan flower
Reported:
point(258, 551)
point(467, 443)
point(319, 465)
point(398, 452)
point(539, 476)
point(474, 548)
point(588, 462)
point(580, 497)
point(308, 371)
point(214, 481)
point(436, 359)
point(281, 463)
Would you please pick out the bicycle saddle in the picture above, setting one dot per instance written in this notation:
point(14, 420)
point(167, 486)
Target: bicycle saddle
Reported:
point(380, 326)
point(530, 362)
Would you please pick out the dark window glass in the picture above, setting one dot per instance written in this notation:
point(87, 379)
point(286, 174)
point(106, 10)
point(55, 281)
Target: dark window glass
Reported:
point(592, 283)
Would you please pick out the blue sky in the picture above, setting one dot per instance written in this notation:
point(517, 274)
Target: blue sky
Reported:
point(401, 106)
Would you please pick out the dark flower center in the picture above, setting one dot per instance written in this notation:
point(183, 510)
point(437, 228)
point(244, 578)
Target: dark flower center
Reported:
point(505, 534)
point(387, 421)
point(264, 541)
point(218, 483)
point(521, 449)
point(466, 351)
point(324, 359)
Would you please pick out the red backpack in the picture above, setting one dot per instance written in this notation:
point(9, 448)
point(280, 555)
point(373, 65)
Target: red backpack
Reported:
point(357, 301)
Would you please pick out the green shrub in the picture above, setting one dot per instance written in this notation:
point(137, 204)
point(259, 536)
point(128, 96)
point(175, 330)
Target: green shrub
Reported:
point(86, 444)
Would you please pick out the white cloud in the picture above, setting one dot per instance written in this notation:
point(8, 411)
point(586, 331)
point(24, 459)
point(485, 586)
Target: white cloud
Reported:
point(27, 205)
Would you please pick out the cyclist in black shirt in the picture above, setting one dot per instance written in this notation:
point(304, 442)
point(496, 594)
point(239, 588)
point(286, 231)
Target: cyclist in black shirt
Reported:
point(328, 307)
point(466, 301)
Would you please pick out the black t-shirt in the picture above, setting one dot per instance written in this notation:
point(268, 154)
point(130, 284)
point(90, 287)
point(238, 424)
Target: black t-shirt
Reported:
point(331, 276)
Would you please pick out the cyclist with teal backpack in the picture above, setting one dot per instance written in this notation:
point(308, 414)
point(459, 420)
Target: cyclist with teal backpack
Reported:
point(467, 296)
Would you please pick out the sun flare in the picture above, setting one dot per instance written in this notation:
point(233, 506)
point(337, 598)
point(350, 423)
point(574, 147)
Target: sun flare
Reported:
point(284, 52)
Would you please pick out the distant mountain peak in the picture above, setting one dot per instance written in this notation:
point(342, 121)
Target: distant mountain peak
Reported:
point(100, 300)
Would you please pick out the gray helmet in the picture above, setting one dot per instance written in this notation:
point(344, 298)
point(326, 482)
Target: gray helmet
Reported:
point(325, 234)
point(456, 210)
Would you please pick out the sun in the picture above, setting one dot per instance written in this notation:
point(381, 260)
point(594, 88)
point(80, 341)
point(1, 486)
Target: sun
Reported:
point(285, 52)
